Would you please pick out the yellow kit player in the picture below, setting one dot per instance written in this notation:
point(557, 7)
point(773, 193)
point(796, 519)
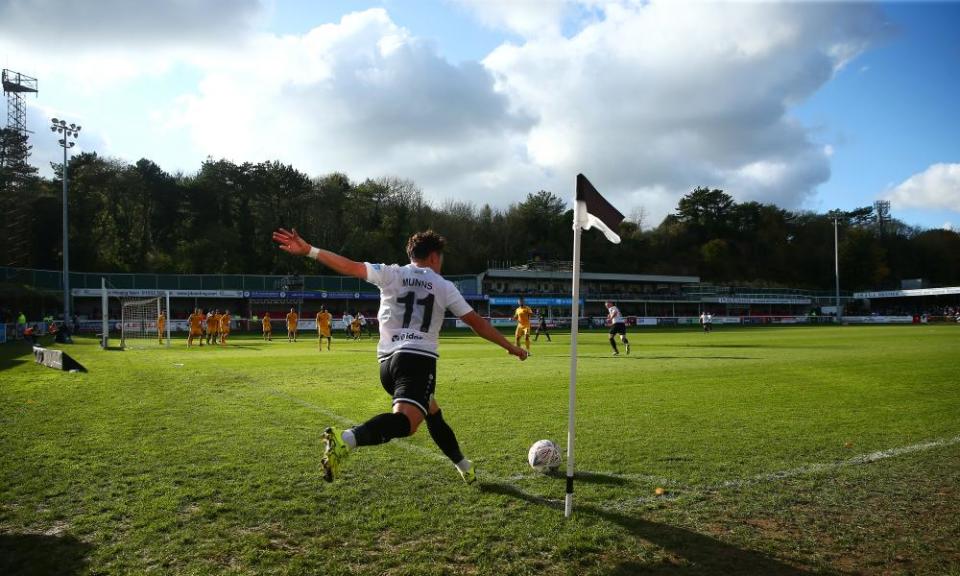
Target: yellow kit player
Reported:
point(355, 328)
point(161, 326)
point(224, 326)
point(323, 327)
point(213, 326)
point(292, 326)
point(522, 315)
point(196, 327)
point(267, 327)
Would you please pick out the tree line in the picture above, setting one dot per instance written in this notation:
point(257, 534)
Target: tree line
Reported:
point(139, 218)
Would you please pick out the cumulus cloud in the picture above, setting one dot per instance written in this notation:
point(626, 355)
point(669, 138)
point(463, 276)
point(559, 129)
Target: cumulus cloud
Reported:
point(656, 98)
point(528, 18)
point(365, 97)
point(936, 188)
point(98, 46)
point(649, 99)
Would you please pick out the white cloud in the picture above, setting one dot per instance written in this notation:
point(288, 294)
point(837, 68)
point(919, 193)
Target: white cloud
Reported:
point(666, 96)
point(936, 188)
point(365, 97)
point(528, 18)
point(648, 99)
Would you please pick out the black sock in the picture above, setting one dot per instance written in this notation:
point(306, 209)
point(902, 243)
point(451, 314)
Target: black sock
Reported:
point(381, 429)
point(613, 344)
point(444, 437)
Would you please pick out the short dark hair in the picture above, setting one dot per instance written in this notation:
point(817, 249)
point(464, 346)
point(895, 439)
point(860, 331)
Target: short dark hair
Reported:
point(422, 244)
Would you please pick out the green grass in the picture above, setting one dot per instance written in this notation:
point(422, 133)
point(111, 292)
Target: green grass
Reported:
point(205, 460)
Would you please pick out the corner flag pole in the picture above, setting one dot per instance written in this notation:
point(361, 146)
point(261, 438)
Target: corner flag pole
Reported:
point(590, 210)
point(574, 330)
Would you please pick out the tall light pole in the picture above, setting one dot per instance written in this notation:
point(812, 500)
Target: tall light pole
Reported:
point(69, 131)
point(836, 268)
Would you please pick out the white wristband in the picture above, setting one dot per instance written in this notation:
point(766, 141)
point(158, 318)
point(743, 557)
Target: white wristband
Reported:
point(314, 252)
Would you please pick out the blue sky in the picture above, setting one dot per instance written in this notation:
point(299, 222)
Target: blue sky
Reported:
point(893, 112)
point(806, 105)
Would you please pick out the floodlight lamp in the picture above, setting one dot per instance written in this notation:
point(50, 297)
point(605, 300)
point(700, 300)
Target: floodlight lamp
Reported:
point(72, 125)
point(54, 120)
point(53, 128)
point(71, 144)
point(78, 128)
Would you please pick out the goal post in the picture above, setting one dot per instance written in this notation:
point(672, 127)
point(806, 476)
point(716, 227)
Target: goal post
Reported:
point(145, 320)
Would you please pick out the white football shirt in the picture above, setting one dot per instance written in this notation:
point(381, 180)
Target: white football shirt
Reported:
point(615, 316)
point(412, 305)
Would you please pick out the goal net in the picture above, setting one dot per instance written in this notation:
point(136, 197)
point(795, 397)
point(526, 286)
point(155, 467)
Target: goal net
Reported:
point(141, 323)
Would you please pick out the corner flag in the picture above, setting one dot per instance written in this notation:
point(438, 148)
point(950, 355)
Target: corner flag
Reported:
point(591, 210)
point(599, 213)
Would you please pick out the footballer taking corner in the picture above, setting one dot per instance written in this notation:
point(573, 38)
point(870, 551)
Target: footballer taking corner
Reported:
point(413, 300)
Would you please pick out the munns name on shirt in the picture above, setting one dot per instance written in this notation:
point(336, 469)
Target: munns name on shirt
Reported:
point(417, 282)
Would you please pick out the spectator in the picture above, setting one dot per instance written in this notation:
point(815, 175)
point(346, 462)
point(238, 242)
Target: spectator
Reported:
point(21, 324)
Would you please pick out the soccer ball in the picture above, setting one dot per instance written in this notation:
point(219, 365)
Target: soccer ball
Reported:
point(544, 456)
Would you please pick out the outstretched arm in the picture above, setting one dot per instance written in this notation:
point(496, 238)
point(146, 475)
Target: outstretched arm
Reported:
point(485, 330)
point(291, 242)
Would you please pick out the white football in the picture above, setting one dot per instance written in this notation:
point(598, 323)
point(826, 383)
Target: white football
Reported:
point(544, 456)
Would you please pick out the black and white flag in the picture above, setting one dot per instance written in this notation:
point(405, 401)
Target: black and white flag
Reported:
point(594, 211)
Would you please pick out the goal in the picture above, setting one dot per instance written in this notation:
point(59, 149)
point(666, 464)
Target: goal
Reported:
point(140, 322)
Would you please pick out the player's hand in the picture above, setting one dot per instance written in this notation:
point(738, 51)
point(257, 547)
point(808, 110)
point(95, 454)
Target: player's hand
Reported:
point(519, 352)
point(290, 241)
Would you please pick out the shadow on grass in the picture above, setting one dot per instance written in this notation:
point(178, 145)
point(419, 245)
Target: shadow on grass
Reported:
point(591, 478)
point(37, 554)
point(711, 345)
point(640, 356)
point(701, 554)
point(6, 364)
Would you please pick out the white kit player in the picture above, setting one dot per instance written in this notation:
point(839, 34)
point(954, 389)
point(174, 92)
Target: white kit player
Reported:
point(413, 299)
point(617, 326)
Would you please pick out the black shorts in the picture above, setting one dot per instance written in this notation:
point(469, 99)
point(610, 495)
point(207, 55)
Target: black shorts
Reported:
point(618, 328)
point(410, 378)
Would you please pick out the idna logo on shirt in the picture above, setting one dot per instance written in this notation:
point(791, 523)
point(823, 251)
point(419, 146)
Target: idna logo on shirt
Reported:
point(406, 336)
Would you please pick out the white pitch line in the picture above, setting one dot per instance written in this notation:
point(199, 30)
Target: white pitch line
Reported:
point(793, 472)
point(855, 461)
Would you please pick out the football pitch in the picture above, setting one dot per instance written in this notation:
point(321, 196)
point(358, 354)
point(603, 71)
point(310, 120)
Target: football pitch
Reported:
point(767, 450)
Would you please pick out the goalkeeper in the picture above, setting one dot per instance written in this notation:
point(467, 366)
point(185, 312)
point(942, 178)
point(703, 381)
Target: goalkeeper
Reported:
point(413, 299)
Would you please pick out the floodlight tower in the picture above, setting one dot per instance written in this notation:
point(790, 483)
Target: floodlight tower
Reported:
point(68, 131)
point(15, 85)
point(836, 268)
